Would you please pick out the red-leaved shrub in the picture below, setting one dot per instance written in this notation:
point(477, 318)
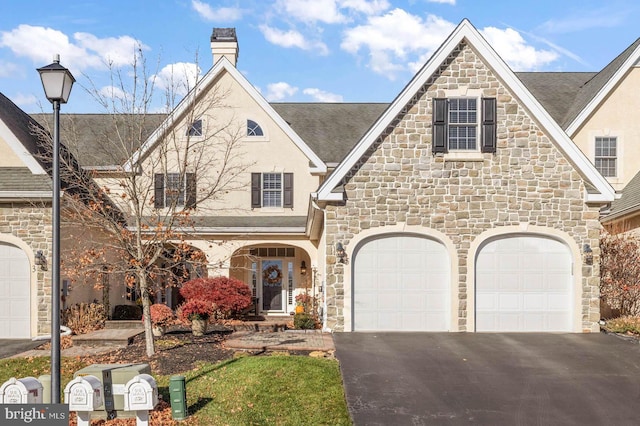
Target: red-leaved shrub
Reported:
point(196, 309)
point(230, 296)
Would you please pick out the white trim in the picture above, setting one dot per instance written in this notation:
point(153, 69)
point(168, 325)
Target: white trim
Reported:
point(223, 65)
point(28, 195)
point(19, 149)
point(531, 230)
point(604, 92)
point(466, 31)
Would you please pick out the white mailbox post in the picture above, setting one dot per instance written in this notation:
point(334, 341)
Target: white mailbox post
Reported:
point(84, 395)
point(27, 390)
point(141, 396)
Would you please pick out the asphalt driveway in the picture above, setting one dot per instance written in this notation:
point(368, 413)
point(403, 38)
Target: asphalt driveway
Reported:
point(10, 347)
point(490, 379)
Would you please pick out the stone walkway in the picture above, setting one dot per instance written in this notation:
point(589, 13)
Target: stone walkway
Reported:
point(289, 340)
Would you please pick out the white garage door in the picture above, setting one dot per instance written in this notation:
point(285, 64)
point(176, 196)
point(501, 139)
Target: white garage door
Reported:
point(523, 283)
point(401, 283)
point(15, 313)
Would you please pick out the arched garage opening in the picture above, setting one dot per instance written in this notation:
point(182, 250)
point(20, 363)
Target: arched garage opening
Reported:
point(523, 284)
point(401, 282)
point(15, 283)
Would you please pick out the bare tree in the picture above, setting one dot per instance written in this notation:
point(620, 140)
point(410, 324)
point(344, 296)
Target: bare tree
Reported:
point(620, 271)
point(152, 171)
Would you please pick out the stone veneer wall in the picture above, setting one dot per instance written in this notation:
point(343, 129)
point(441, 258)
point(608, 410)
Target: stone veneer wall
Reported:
point(399, 180)
point(32, 224)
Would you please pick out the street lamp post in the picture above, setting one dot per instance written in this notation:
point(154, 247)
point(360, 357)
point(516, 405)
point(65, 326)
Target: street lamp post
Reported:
point(57, 82)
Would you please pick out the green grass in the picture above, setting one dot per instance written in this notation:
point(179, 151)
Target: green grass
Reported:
point(250, 390)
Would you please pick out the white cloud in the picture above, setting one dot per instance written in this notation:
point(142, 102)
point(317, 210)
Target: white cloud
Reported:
point(451, 2)
point(178, 78)
point(393, 37)
point(514, 50)
point(24, 101)
point(85, 51)
point(279, 91)
point(311, 10)
point(292, 38)
point(368, 7)
point(222, 14)
point(117, 51)
point(114, 93)
point(8, 69)
point(322, 96)
point(586, 20)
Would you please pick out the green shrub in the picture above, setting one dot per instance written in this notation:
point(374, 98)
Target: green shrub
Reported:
point(625, 324)
point(304, 321)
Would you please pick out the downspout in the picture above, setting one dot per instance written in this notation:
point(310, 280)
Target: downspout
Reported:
point(323, 307)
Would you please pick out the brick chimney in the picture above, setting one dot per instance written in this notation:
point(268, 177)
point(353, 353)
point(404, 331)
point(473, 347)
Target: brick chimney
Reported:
point(224, 44)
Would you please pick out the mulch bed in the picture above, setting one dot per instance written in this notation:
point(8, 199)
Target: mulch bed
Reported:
point(177, 351)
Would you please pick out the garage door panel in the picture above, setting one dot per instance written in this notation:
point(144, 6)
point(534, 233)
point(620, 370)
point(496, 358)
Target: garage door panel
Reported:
point(411, 297)
point(15, 313)
point(536, 296)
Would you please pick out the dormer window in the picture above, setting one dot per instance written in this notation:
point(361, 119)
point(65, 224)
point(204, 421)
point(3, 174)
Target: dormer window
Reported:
point(195, 129)
point(254, 129)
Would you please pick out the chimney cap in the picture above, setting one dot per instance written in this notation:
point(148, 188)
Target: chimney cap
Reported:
point(224, 34)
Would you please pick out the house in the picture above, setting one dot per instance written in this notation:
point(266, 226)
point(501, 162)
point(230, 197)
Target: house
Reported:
point(470, 203)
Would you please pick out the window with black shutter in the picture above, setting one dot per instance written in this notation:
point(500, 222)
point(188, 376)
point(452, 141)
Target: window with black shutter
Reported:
point(271, 190)
point(455, 125)
point(175, 189)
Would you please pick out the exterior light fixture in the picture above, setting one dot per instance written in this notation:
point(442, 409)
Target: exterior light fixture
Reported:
point(588, 254)
point(41, 261)
point(57, 82)
point(303, 268)
point(341, 253)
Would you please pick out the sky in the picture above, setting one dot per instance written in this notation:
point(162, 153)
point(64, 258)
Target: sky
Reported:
point(293, 50)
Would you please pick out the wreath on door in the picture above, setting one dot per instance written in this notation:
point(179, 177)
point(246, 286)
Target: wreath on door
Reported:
point(272, 275)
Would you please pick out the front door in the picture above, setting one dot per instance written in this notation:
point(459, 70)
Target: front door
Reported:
point(272, 277)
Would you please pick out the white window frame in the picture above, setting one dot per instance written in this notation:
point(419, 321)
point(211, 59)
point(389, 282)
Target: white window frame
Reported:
point(254, 138)
point(607, 158)
point(467, 124)
point(182, 192)
point(190, 126)
point(264, 191)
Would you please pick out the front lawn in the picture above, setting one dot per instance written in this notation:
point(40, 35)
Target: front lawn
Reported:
point(249, 390)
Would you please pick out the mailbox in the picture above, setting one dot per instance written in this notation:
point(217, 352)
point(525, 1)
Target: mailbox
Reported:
point(27, 390)
point(83, 394)
point(140, 393)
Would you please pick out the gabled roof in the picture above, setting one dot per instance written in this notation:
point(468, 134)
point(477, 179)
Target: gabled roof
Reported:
point(628, 203)
point(331, 130)
point(465, 31)
point(556, 91)
point(223, 65)
point(16, 130)
point(594, 92)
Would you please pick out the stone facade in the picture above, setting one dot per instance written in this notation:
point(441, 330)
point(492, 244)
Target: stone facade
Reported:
point(32, 224)
point(399, 180)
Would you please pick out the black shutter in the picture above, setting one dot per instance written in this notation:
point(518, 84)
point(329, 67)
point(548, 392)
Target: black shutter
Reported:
point(191, 191)
point(158, 187)
point(288, 190)
point(439, 114)
point(256, 183)
point(489, 126)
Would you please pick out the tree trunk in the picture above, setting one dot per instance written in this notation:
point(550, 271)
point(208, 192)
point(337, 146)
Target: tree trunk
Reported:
point(146, 313)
